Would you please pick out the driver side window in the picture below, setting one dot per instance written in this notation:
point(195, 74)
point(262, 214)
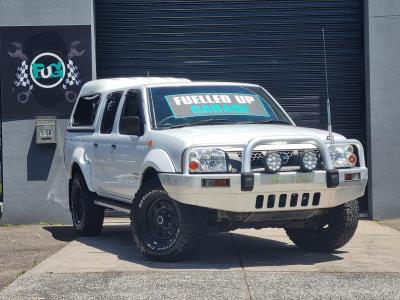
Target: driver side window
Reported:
point(131, 121)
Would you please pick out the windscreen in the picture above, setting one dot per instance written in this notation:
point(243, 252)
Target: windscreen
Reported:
point(196, 105)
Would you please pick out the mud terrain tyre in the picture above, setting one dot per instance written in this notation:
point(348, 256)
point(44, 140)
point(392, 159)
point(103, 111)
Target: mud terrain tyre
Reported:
point(86, 216)
point(164, 229)
point(331, 232)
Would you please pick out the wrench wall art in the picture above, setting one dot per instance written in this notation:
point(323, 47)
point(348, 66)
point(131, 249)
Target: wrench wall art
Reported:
point(43, 69)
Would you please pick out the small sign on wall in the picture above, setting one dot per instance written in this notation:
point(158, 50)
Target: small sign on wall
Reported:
point(45, 131)
point(43, 69)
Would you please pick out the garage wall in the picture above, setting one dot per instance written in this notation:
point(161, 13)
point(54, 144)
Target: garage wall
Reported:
point(34, 179)
point(277, 44)
point(383, 44)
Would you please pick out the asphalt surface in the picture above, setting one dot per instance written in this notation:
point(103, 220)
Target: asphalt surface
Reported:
point(206, 285)
point(23, 247)
point(245, 264)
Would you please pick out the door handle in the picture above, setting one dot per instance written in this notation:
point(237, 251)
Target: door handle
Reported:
point(95, 145)
point(113, 146)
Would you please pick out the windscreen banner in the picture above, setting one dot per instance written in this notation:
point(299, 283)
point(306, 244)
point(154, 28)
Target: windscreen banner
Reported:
point(203, 104)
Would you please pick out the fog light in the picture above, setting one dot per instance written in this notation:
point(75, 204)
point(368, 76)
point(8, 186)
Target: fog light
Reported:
point(273, 162)
point(352, 176)
point(215, 182)
point(309, 161)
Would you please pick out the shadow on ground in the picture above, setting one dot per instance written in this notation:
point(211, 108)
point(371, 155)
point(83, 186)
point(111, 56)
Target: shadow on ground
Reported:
point(219, 250)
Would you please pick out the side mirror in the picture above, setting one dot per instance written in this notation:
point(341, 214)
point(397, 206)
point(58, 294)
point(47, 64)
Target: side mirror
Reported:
point(130, 126)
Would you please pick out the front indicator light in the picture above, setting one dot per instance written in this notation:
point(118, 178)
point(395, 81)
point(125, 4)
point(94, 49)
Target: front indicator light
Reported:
point(273, 162)
point(352, 159)
point(193, 165)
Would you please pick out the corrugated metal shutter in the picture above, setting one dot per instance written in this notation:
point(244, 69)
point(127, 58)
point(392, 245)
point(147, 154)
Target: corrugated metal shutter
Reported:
point(277, 44)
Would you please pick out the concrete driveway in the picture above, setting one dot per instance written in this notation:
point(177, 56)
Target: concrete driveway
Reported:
point(244, 264)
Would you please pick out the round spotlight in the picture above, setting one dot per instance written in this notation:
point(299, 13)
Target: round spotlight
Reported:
point(273, 162)
point(309, 161)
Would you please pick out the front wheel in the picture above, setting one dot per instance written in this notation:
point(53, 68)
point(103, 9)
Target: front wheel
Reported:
point(330, 231)
point(164, 229)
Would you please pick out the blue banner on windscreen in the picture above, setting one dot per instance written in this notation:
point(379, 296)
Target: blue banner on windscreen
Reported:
point(208, 104)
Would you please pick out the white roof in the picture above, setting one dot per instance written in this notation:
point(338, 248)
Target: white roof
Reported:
point(101, 85)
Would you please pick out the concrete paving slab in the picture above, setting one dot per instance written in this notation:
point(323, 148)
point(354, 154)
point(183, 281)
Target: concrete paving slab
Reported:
point(114, 251)
point(374, 248)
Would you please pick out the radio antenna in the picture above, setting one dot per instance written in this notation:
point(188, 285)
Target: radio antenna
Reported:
point(328, 102)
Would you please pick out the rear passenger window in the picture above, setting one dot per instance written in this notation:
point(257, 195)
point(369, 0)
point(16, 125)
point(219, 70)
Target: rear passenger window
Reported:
point(85, 111)
point(109, 112)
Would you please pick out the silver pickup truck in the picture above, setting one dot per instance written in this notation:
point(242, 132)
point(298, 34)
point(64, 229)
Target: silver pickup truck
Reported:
point(186, 158)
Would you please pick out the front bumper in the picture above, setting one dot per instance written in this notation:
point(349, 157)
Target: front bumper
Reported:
point(282, 186)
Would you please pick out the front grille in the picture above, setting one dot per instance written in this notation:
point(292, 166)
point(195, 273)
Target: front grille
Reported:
point(291, 159)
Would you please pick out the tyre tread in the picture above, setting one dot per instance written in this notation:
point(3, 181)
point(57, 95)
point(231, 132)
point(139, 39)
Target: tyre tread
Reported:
point(347, 221)
point(191, 234)
point(93, 215)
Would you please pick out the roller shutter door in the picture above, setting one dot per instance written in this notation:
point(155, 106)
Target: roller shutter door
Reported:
point(277, 44)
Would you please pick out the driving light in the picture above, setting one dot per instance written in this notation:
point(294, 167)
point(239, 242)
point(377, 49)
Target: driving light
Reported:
point(343, 156)
point(309, 161)
point(273, 162)
point(207, 161)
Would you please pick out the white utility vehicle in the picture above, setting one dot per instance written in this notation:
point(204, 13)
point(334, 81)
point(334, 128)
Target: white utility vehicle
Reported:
point(186, 158)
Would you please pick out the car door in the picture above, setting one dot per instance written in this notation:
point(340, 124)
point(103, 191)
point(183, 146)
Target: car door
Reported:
point(104, 146)
point(127, 155)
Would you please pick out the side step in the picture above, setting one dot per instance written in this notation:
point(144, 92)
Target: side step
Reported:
point(113, 204)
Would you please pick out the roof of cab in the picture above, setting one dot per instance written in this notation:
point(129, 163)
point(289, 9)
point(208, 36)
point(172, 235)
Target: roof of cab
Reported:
point(102, 85)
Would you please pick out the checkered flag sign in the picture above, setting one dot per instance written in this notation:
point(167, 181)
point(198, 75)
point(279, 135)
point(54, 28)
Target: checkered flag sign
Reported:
point(73, 76)
point(21, 76)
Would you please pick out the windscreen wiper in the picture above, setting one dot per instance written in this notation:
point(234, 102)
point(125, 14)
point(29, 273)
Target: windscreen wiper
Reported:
point(269, 122)
point(203, 122)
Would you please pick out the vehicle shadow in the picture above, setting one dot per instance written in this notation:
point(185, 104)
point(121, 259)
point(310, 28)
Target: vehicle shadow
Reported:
point(219, 250)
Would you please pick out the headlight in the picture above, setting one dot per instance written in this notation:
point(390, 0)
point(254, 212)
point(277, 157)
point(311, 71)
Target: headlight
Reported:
point(309, 161)
point(273, 162)
point(207, 160)
point(343, 156)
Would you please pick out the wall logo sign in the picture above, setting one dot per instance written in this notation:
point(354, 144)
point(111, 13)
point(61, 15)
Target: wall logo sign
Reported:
point(42, 69)
point(47, 70)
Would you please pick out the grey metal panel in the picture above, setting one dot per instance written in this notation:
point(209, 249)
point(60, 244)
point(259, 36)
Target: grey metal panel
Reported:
point(45, 12)
point(35, 183)
point(277, 44)
point(383, 107)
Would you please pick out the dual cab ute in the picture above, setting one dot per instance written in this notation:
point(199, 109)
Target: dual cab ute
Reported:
point(186, 158)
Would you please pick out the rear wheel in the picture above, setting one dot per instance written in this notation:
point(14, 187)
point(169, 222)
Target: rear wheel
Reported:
point(164, 229)
point(86, 216)
point(328, 232)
